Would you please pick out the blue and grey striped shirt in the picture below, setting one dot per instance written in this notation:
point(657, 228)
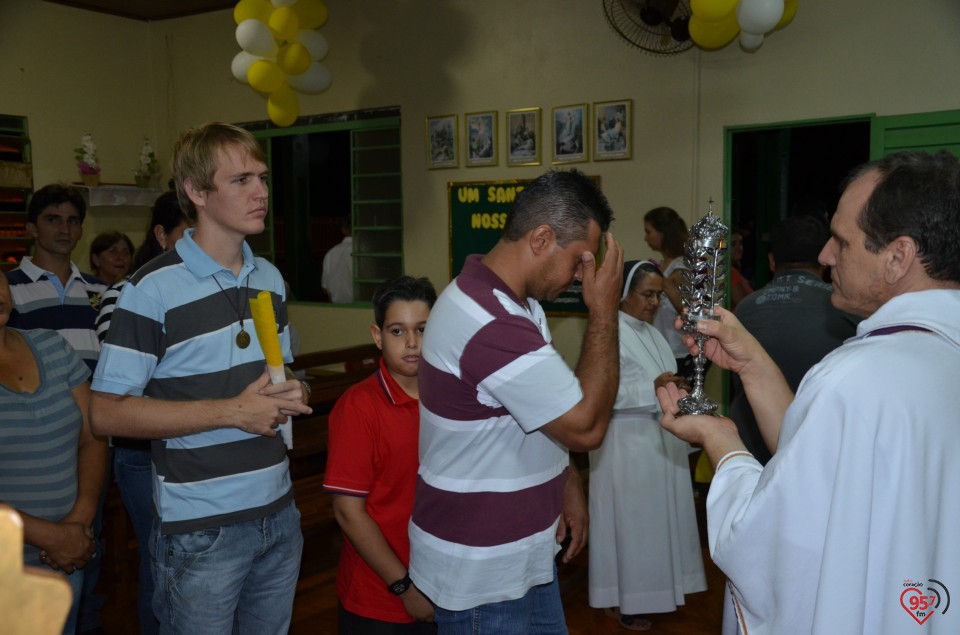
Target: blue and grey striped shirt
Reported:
point(173, 336)
point(40, 433)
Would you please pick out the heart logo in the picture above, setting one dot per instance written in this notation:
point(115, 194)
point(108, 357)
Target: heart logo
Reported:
point(920, 604)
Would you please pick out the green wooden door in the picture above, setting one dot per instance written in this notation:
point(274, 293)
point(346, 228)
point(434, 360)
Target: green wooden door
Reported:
point(931, 131)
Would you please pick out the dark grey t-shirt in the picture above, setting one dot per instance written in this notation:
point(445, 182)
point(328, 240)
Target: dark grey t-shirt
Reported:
point(793, 319)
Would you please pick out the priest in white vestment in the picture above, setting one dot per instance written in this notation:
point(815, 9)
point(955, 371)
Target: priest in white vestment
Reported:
point(853, 525)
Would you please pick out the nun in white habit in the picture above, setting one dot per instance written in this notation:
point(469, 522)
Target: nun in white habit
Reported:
point(644, 544)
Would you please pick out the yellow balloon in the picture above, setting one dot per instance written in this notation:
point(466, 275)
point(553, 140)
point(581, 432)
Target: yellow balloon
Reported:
point(284, 23)
point(789, 11)
point(265, 76)
point(252, 10)
point(712, 35)
point(293, 58)
point(712, 10)
point(283, 107)
point(312, 13)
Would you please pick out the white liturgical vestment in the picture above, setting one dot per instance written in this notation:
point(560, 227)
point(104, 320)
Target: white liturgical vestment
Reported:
point(854, 526)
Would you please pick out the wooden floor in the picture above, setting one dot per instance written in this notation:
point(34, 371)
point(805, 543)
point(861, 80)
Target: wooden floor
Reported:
point(315, 607)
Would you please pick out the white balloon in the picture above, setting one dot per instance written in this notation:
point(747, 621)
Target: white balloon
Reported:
point(283, 3)
point(759, 16)
point(750, 41)
point(314, 41)
point(313, 81)
point(255, 37)
point(241, 64)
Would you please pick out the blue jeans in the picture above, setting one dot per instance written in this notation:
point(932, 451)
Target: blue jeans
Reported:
point(75, 580)
point(91, 602)
point(238, 578)
point(134, 477)
point(539, 612)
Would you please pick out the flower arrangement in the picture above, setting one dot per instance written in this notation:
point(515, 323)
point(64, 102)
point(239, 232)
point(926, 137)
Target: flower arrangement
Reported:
point(86, 155)
point(148, 164)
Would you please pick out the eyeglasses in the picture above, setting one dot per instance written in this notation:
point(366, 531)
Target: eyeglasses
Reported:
point(650, 296)
point(118, 251)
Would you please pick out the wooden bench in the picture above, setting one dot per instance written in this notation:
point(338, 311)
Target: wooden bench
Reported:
point(315, 505)
point(309, 453)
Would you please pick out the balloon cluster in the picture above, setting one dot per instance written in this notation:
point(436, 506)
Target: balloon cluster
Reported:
point(715, 23)
point(282, 50)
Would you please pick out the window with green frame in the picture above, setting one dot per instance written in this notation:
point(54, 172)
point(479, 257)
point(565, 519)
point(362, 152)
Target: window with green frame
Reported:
point(323, 169)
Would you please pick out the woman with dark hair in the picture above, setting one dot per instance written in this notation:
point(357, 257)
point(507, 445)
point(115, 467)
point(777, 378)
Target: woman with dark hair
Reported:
point(131, 457)
point(167, 224)
point(645, 547)
point(110, 254)
point(666, 234)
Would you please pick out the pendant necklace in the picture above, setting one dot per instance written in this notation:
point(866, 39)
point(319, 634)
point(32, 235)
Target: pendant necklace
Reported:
point(243, 338)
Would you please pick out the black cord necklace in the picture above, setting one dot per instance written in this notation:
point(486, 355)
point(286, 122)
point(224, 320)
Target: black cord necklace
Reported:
point(243, 338)
point(659, 356)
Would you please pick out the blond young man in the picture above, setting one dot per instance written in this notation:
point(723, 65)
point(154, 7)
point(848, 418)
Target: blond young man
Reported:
point(182, 365)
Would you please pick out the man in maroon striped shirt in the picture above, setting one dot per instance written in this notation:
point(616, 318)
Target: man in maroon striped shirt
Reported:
point(499, 410)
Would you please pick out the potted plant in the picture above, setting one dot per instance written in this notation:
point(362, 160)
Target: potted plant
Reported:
point(147, 166)
point(86, 156)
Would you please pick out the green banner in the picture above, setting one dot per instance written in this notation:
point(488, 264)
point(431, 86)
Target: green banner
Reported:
point(478, 213)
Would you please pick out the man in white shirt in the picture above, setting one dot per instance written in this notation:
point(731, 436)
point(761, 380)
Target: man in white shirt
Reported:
point(48, 290)
point(337, 276)
point(851, 527)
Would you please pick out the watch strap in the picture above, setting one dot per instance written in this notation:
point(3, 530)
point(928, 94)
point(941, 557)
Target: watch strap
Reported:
point(400, 586)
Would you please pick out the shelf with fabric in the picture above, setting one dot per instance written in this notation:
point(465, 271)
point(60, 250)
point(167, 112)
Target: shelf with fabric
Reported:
point(16, 186)
point(110, 194)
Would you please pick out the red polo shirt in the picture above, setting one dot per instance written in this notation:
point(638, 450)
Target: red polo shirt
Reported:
point(372, 453)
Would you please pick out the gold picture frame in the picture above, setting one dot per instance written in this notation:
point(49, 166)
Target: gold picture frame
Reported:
point(523, 139)
point(480, 139)
point(443, 149)
point(570, 133)
point(613, 130)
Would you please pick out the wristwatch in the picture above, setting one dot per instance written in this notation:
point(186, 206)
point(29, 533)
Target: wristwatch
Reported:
point(400, 586)
point(307, 388)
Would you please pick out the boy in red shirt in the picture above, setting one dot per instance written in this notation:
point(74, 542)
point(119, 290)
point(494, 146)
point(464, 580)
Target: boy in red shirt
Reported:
point(372, 471)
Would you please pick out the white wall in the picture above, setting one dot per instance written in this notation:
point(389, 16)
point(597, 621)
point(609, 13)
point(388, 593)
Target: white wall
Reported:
point(458, 56)
point(122, 79)
point(71, 71)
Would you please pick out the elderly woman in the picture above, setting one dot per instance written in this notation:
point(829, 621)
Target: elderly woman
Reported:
point(644, 544)
point(110, 256)
point(52, 469)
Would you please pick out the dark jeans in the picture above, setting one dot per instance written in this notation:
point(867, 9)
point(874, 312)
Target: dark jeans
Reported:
point(134, 477)
point(353, 624)
point(90, 602)
point(539, 612)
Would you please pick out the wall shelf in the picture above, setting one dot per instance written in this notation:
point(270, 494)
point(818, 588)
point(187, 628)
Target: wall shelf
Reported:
point(16, 186)
point(116, 194)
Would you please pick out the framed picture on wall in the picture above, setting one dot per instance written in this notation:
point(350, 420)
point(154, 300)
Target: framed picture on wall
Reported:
point(570, 134)
point(481, 138)
point(523, 137)
point(614, 129)
point(442, 148)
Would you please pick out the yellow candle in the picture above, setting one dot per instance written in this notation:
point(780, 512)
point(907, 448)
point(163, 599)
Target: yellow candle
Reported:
point(265, 323)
